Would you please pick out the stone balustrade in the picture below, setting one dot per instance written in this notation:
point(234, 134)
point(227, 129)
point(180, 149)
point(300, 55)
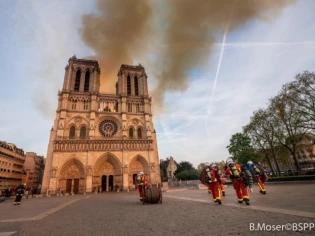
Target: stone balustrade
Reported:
point(102, 145)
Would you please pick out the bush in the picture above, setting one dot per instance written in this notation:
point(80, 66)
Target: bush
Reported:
point(291, 178)
point(188, 175)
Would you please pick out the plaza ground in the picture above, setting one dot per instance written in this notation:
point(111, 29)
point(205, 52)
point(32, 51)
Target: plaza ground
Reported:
point(183, 212)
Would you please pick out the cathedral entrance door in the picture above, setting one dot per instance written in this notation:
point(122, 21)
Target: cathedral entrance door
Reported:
point(76, 186)
point(111, 183)
point(104, 178)
point(69, 185)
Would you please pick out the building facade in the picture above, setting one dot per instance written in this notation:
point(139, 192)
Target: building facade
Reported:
point(34, 169)
point(101, 141)
point(168, 168)
point(11, 165)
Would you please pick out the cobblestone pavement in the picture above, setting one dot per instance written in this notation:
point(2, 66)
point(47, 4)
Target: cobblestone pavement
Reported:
point(123, 214)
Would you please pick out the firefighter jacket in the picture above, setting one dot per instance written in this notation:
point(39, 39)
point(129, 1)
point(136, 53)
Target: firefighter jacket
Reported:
point(212, 175)
point(20, 191)
point(142, 180)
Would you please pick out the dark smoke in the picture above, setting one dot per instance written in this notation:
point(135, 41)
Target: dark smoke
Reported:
point(124, 28)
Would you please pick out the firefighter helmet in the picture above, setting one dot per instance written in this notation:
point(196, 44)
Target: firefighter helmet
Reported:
point(229, 160)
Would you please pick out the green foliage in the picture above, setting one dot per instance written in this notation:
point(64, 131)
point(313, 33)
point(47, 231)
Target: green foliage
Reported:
point(182, 166)
point(200, 166)
point(241, 149)
point(191, 174)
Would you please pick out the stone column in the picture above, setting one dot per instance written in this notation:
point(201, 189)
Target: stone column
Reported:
point(132, 83)
point(107, 183)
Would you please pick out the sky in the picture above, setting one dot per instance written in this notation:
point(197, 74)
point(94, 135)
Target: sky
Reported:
point(39, 36)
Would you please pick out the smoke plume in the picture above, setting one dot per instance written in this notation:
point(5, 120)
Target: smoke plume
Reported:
point(123, 29)
point(116, 33)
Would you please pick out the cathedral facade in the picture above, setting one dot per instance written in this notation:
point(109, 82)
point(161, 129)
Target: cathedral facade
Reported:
point(99, 142)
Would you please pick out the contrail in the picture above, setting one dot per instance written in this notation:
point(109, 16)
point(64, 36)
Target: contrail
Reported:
point(217, 75)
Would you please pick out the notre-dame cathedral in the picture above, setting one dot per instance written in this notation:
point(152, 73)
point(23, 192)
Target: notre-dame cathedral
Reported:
point(99, 142)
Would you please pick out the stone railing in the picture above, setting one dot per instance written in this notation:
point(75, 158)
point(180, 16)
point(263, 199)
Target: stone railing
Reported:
point(184, 184)
point(101, 145)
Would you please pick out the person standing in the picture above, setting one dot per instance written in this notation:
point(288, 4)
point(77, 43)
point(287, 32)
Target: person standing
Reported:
point(234, 172)
point(260, 175)
point(19, 194)
point(214, 184)
point(221, 182)
point(142, 184)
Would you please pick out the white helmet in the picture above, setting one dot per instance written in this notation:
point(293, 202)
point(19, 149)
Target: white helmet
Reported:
point(207, 164)
point(141, 173)
point(249, 163)
point(229, 160)
point(213, 165)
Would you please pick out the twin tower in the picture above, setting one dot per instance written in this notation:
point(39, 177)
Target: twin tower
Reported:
point(99, 142)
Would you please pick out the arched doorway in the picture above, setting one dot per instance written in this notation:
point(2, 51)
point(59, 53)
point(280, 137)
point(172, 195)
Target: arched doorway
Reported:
point(104, 181)
point(137, 164)
point(111, 183)
point(107, 173)
point(72, 177)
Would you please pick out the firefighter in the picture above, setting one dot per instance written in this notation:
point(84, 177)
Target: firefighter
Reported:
point(234, 172)
point(260, 175)
point(207, 165)
point(19, 194)
point(221, 182)
point(213, 180)
point(142, 183)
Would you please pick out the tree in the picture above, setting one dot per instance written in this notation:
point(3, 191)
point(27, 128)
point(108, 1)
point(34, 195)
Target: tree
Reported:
point(262, 132)
point(182, 166)
point(191, 174)
point(289, 124)
point(241, 149)
point(201, 166)
point(302, 93)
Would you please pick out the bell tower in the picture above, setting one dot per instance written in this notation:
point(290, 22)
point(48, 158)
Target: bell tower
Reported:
point(132, 81)
point(82, 76)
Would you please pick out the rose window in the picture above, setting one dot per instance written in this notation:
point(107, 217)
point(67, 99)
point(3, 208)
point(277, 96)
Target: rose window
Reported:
point(108, 128)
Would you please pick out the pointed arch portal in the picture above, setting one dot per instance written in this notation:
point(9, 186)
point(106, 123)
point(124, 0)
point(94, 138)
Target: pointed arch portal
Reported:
point(72, 177)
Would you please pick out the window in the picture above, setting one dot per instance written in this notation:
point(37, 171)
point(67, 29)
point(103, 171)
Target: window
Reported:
point(128, 85)
point(107, 109)
point(131, 133)
point(77, 81)
point(83, 132)
point(139, 133)
point(87, 81)
point(129, 107)
point(116, 107)
point(137, 108)
point(72, 132)
point(74, 104)
point(136, 86)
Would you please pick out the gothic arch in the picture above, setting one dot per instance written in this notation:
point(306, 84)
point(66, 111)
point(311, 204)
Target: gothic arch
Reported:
point(107, 158)
point(134, 164)
point(77, 121)
point(73, 168)
point(137, 164)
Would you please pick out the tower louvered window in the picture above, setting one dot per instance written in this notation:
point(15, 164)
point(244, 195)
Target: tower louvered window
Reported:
point(77, 81)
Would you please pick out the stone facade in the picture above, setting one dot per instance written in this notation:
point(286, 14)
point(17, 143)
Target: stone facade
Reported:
point(101, 141)
point(11, 165)
point(34, 168)
point(168, 168)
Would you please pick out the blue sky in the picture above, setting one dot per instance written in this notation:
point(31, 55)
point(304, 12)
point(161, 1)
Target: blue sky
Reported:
point(38, 37)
